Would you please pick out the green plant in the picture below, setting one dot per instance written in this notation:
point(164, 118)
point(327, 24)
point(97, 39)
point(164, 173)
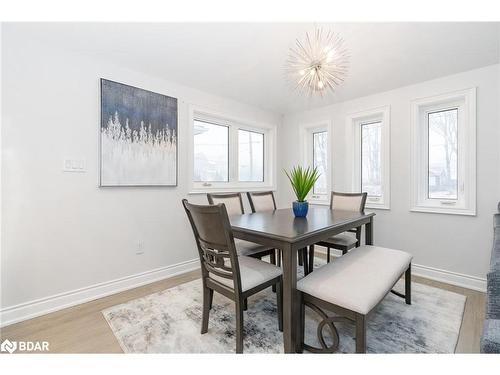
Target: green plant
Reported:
point(302, 180)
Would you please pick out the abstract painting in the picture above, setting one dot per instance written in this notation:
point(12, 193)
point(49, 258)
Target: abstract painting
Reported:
point(138, 137)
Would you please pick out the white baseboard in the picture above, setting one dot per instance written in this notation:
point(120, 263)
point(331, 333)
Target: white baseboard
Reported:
point(448, 277)
point(32, 309)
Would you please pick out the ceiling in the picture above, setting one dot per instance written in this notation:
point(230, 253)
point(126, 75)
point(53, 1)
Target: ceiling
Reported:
point(245, 61)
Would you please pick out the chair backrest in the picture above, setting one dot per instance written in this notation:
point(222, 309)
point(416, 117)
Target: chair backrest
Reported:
point(214, 238)
point(261, 201)
point(348, 201)
point(233, 202)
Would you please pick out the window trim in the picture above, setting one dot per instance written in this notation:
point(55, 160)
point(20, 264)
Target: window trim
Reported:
point(234, 123)
point(306, 133)
point(465, 101)
point(354, 122)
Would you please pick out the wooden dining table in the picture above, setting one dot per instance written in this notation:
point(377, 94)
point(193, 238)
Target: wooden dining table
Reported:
point(281, 230)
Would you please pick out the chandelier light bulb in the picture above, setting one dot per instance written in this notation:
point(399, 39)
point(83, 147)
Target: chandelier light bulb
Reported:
point(322, 54)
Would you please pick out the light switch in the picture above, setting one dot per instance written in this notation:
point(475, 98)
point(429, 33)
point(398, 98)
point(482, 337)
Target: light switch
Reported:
point(74, 165)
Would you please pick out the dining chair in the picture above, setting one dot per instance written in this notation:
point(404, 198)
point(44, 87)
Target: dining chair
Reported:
point(234, 206)
point(223, 270)
point(345, 241)
point(264, 201)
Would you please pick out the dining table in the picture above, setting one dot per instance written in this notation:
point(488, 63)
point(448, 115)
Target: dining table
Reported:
point(281, 230)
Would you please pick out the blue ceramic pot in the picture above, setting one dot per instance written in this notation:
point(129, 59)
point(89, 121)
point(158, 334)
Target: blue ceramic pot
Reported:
point(300, 208)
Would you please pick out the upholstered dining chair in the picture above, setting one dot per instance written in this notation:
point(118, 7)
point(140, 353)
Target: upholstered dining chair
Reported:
point(264, 201)
point(234, 206)
point(261, 201)
point(223, 270)
point(350, 239)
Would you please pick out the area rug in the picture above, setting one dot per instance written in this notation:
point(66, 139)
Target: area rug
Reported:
point(170, 322)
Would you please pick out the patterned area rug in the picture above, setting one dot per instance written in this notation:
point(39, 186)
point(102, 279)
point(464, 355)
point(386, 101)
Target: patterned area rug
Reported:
point(170, 322)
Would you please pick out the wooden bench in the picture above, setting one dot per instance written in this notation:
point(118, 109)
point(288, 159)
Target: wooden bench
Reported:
point(351, 287)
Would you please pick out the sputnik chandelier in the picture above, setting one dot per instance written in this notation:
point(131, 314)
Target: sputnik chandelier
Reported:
point(317, 64)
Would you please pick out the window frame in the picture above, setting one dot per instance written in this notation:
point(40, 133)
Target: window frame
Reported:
point(234, 124)
point(465, 102)
point(307, 132)
point(354, 122)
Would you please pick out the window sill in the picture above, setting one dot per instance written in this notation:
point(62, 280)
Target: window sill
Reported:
point(374, 206)
point(318, 202)
point(446, 211)
point(233, 189)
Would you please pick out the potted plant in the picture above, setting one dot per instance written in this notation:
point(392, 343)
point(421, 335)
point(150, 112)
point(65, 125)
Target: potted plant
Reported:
point(302, 180)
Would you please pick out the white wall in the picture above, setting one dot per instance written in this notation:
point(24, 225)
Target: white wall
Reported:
point(457, 244)
point(61, 232)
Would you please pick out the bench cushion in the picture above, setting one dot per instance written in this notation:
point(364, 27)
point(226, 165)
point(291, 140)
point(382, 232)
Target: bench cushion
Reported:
point(253, 272)
point(359, 280)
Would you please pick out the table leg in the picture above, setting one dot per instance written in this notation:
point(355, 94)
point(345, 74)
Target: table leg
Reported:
point(289, 298)
point(369, 232)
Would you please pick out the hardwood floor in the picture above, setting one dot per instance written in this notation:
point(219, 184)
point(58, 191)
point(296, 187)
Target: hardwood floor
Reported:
point(83, 329)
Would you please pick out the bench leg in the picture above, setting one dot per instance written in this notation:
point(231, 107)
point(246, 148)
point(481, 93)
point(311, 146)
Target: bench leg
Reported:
point(408, 285)
point(360, 333)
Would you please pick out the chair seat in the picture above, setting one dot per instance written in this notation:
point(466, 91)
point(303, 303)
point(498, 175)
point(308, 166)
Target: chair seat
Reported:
point(345, 240)
point(254, 272)
point(359, 280)
point(246, 248)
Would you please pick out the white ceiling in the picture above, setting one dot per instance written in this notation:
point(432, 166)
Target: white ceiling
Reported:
point(245, 61)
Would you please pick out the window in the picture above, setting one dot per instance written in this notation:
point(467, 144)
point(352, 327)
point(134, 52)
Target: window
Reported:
point(369, 142)
point(320, 156)
point(211, 152)
point(250, 156)
point(230, 155)
point(316, 153)
point(371, 158)
point(444, 153)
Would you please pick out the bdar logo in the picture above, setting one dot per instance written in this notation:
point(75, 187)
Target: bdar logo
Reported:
point(8, 346)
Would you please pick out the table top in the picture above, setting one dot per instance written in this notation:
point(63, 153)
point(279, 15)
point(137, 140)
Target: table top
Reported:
point(283, 225)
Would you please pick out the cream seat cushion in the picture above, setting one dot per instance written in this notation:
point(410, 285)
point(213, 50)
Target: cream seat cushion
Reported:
point(253, 272)
point(359, 280)
point(247, 248)
point(344, 239)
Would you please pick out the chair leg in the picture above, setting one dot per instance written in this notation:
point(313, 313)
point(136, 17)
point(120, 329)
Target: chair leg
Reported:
point(311, 258)
point(278, 261)
point(245, 304)
point(302, 323)
point(305, 261)
point(272, 257)
point(206, 309)
point(358, 236)
point(279, 303)
point(360, 334)
point(239, 327)
point(301, 259)
point(408, 285)
point(211, 299)
point(328, 255)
